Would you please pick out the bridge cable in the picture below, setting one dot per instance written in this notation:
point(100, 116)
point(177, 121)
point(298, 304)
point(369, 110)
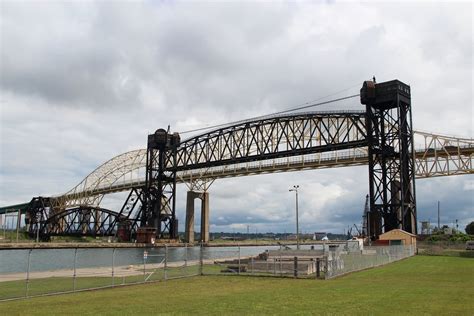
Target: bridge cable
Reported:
point(271, 114)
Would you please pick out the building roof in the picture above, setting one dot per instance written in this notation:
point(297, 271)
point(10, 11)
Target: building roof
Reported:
point(396, 231)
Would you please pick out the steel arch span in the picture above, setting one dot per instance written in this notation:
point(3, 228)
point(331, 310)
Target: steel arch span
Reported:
point(77, 221)
point(44, 219)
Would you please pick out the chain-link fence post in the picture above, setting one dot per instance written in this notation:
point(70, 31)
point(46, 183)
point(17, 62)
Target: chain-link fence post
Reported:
point(251, 261)
point(166, 263)
point(113, 267)
point(326, 268)
point(185, 257)
point(28, 273)
point(145, 254)
point(201, 258)
point(318, 268)
point(281, 263)
point(267, 262)
point(238, 271)
point(295, 267)
point(74, 273)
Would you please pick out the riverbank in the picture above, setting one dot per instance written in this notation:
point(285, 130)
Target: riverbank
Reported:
point(161, 243)
point(69, 245)
point(116, 271)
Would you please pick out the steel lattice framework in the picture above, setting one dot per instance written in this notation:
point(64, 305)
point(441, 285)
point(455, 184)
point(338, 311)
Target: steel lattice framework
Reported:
point(158, 211)
point(438, 155)
point(443, 155)
point(391, 162)
point(297, 141)
point(123, 172)
point(44, 219)
point(273, 138)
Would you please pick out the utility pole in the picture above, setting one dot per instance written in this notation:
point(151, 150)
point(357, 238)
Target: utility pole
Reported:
point(295, 189)
point(18, 219)
point(439, 226)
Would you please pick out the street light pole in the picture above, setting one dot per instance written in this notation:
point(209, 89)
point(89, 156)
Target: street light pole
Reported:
point(295, 188)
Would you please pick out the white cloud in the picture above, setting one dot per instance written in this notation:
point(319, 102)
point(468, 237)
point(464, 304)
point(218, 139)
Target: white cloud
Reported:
point(82, 82)
point(468, 185)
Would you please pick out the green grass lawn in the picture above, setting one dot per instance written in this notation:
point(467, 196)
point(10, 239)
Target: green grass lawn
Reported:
point(419, 285)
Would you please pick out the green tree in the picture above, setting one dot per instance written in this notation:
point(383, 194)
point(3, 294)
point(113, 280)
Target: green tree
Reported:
point(470, 228)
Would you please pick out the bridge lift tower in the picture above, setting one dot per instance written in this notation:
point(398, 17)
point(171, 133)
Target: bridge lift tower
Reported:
point(158, 209)
point(391, 160)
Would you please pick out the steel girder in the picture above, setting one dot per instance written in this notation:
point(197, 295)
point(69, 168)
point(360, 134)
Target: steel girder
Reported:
point(273, 138)
point(443, 155)
point(438, 156)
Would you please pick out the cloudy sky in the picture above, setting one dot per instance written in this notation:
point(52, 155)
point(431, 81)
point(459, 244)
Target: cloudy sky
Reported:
point(82, 82)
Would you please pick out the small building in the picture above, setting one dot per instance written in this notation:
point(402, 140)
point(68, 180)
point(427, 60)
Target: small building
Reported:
point(398, 237)
point(319, 235)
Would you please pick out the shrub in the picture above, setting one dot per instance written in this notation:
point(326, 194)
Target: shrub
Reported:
point(434, 238)
point(470, 228)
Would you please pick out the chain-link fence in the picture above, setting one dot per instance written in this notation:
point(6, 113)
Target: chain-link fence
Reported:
point(340, 260)
point(458, 248)
point(321, 261)
point(280, 261)
point(36, 272)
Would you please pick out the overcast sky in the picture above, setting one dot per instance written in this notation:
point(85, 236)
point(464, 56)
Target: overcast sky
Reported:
point(82, 82)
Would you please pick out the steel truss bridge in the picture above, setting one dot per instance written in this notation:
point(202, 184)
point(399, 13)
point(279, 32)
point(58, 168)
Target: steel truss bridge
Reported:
point(440, 156)
point(299, 141)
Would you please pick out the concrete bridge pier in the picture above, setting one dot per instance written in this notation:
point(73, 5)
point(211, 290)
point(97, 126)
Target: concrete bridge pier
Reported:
point(189, 226)
point(205, 217)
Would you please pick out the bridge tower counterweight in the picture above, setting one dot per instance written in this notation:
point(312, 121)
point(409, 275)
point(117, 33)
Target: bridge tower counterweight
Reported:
point(391, 160)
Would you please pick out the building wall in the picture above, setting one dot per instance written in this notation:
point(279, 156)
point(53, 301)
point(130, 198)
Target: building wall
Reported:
point(397, 234)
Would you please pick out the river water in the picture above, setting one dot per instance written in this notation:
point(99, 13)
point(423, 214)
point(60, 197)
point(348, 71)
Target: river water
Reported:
point(14, 261)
